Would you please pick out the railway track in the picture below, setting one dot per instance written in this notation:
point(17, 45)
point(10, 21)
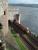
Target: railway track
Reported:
point(21, 30)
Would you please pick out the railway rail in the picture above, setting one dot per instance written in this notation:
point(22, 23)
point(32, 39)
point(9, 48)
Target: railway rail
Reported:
point(18, 28)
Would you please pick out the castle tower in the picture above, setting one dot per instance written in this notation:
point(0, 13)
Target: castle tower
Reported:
point(5, 17)
point(17, 16)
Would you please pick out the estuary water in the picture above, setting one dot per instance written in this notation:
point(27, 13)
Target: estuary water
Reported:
point(29, 17)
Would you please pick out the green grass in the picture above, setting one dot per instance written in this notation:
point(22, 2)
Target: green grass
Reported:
point(19, 41)
point(21, 45)
point(8, 49)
